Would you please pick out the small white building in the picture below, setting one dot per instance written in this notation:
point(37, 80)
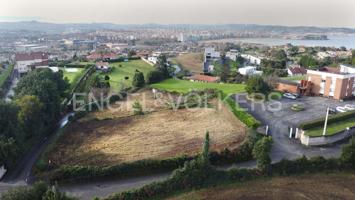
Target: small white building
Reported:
point(153, 59)
point(232, 54)
point(251, 59)
point(348, 69)
point(249, 71)
point(210, 53)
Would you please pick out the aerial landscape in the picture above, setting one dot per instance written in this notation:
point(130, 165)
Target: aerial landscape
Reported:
point(177, 100)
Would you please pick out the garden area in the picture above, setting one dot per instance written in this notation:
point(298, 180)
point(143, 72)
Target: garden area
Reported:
point(184, 86)
point(122, 73)
point(72, 74)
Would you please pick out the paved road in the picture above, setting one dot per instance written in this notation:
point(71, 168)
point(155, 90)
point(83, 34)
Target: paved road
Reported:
point(280, 120)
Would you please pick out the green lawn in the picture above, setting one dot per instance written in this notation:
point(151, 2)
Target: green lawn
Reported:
point(332, 129)
point(184, 86)
point(127, 69)
point(72, 75)
point(295, 78)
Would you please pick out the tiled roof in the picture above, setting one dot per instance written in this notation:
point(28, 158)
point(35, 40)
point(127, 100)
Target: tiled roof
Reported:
point(298, 70)
point(204, 78)
point(31, 56)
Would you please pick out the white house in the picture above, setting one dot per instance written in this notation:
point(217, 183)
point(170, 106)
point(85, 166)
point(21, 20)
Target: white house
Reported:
point(26, 62)
point(251, 59)
point(348, 69)
point(232, 54)
point(153, 59)
point(249, 71)
point(210, 56)
point(102, 66)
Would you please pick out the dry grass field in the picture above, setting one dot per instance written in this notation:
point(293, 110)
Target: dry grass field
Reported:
point(192, 62)
point(307, 187)
point(160, 134)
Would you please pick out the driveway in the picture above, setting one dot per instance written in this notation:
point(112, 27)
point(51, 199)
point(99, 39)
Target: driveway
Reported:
point(279, 116)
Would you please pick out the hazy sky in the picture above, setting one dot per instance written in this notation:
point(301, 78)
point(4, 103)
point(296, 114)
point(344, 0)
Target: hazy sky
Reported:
point(279, 12)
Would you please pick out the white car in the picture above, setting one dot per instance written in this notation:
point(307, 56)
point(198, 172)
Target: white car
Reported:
point(349, 107)
point(289, 96)
point(341, 109)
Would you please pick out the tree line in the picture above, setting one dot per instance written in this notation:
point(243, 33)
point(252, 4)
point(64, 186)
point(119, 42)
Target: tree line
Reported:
point(32, 114)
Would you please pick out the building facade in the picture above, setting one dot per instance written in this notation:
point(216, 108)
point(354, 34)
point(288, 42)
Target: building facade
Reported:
point(26, 62)
point(337, 83)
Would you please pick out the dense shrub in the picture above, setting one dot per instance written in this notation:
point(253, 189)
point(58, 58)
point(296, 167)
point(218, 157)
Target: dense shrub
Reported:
point(241, 114)
point(331, 119)
point(348, 154)
point(138, 79)
point(154, 76)
point(261, 153)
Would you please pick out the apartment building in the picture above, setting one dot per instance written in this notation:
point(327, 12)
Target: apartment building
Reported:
point(337, 83)
point(26, 62)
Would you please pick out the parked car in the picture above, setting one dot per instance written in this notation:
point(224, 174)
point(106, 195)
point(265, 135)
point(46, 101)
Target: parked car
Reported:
point(332, 111)
point(289, 96)
point(349, 107)
point(341, 109)
point(296, 95)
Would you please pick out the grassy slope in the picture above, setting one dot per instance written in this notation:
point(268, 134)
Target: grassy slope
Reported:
point(192, 62)
point(332, 129)
point(72, 76)
point(319, 186)
point(118, 74)
point(183, 86)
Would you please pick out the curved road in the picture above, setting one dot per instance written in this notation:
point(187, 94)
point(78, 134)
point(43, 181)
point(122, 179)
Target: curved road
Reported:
point(283, 147)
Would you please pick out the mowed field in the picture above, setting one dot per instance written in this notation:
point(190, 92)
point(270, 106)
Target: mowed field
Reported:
point(184, 86)
point(306, 187)
point(160, 134)
point(192, 62)
point(72, 74)
point(120, 70)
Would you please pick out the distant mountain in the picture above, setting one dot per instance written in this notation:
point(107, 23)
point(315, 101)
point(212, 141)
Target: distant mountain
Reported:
point(55, 28)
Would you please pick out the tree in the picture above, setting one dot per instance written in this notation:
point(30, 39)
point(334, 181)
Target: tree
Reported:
point(353, 58)
point(8, 120)
point(308, 61)
point(222, 69)
point(154, 76)
point(131, 53)
point(348, 153)
point(30, 115)
point(256, 84)
point(206, 147)
point(261, 152)
point(138, 79)
point(8, 151)
point(107, 78)
point(54, 194)
point(137, 108)
point(163, 66)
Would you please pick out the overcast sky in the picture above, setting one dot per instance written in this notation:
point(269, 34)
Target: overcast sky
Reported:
point(340, 13)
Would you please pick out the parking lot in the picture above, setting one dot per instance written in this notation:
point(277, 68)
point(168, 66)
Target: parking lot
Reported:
point(279, 116)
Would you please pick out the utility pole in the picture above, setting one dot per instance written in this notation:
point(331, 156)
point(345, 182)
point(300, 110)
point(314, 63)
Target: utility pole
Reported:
point(326, 122)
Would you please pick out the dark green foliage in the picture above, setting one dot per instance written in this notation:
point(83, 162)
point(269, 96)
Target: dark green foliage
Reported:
point(137, 108)
point(138, 79)
point(154, 76)
point(332, 119)
point(8, 151)
point(308, 61)
point(163, 66)
point(348, 154)
point(241, 114)
point(261, 152)
point(8, 120)
point(256, 84)
point(39, 191)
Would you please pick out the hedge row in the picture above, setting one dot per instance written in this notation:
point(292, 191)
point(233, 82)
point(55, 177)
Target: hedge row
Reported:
point(181, 183)
point(332, 119)
point(241, 114)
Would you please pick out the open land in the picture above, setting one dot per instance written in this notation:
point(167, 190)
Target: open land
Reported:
point(310, 187)
point(192, 62)
point(161, 134)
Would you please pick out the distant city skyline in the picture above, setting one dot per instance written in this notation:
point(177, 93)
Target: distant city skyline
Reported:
point(323, 13)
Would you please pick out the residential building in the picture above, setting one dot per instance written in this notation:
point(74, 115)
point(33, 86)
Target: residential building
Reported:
point(153, 59)
point(102, 66)
point(337, 83)
point(26, 62)
point(102, 56)
point(253, 60)
point(210, 56)
point(232, 54)
point(249, 71)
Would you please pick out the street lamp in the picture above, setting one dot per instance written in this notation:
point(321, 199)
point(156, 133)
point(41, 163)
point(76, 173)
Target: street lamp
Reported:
point(326, 122)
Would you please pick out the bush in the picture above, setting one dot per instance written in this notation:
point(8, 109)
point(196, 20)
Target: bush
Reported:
point(332, 119)
point(241, 114)
point(348, 154)
point(256, 84)
point(154, 76)
point(138, 79)
point(261, 152)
